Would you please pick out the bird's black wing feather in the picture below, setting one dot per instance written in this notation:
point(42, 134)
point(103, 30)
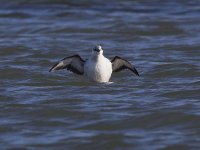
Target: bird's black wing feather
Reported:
point(119, 64)
point(73, 63)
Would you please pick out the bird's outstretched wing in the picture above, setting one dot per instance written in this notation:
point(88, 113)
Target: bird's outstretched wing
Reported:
point(119, 64)
point(73, 63)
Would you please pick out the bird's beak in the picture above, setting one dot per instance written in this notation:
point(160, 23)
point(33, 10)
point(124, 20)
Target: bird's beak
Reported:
point(97, 50)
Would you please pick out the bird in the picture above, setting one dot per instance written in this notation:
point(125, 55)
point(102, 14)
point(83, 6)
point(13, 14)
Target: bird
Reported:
point(97, 67)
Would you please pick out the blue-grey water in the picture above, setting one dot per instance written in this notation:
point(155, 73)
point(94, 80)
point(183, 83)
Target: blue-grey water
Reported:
point(160, 110)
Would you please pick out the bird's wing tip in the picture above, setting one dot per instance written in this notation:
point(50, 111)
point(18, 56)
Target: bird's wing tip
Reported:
point(136, 72)
point(52, 68)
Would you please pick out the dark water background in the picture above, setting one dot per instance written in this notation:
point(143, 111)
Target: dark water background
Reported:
point(42, 110)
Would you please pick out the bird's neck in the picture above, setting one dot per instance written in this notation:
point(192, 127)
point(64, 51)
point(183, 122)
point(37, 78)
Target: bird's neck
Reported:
point(97, 57)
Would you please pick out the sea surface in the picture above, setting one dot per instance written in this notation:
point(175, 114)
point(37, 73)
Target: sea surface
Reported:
point(160, 110)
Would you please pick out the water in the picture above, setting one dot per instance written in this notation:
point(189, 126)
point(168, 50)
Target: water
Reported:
point(42, 110)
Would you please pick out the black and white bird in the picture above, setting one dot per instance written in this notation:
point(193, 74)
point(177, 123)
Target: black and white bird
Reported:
point(97, 68)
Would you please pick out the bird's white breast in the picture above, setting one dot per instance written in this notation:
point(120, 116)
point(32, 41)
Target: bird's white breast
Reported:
point(98, 69)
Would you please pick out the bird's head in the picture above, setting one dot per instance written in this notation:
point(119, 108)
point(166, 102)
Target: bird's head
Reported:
point(97, 50)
